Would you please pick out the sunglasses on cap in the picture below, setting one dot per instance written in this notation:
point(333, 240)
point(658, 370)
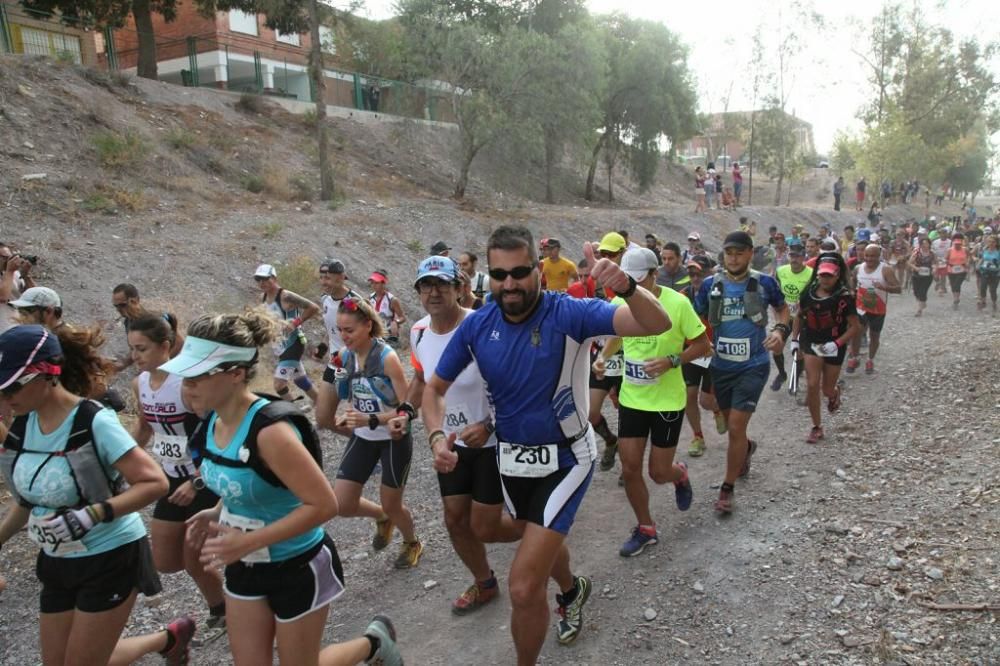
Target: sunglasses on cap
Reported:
point(349, 304)
point(18, 384)
point(518, 273)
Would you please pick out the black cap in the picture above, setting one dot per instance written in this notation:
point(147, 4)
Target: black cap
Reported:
point(739, 239)
point(332, 266)
point(439, 247)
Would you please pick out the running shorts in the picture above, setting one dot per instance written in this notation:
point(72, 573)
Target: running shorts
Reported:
point(838, 360)
point(607, 384)
point(741, 389)
point(873, 322)
point(96, 583)
point(174, 513)
point(695, 375)
point(477, 474)
point(294, 587)
point(662, 428)
point(361, 456)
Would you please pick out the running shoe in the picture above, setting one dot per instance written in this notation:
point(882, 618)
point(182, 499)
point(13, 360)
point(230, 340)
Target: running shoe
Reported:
point(751, 449)
point(610, 452)
point(216, 622)
point(852, 365)
point(638, 542)
point(682, 489)
point(387, 654)
point(474, 598)
point(869, 367)
point(571, 614)
point(182, 630)
point(815, 435)
point(724, 504)
point(383, 533)
point(721, 425)
point(778, 382)
point(409, 555)
point(697, 447)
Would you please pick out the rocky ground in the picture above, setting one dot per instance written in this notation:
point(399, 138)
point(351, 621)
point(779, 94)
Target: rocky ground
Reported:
point(854, 551)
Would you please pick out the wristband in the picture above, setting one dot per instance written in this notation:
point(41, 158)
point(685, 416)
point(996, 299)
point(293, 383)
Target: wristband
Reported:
point(407, 410)
point(675, 360)
point(109, 512)
point(297, 322)
point(632, 285)
point(434, 435)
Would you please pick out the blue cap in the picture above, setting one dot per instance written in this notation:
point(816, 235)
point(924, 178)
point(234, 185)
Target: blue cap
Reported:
point(23, 346)
point(794, 241)
point(863, 235)
point(438, 267)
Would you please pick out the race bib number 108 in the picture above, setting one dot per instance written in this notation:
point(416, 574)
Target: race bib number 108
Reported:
point(733, 349)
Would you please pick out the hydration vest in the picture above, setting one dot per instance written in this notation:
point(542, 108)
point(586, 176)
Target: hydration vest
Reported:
point(754, 307)
point(374, 372)
point(94, 484)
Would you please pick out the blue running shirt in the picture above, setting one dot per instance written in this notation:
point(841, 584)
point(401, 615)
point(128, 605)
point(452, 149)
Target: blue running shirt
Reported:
point(739, 343)
point(536, 371)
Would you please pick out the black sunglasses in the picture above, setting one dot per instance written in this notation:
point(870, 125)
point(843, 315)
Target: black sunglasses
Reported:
point(518, 273)
point(257, 278)
point(29, 309)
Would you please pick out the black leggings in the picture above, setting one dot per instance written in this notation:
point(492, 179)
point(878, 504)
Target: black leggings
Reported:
point(921, 285)
point(956, 280)
point(988, 281)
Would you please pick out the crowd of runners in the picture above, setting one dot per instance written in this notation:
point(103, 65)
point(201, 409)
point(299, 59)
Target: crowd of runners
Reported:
point(509, 372)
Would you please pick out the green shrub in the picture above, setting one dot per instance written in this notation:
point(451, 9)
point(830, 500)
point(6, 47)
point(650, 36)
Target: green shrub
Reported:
point(298, 275)
point(271, 230)
point(119, 150)
point(309, 118)
point(301, 188)
point(178, 138)
point(250, 103)
point(252, 183)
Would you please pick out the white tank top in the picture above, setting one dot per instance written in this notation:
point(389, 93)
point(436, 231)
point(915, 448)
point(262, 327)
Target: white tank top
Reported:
point(866, 286)
point(382, 307)
point(330, 305)
point(172, 423)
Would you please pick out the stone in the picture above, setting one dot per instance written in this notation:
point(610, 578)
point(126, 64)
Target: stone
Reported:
point(649, 614)
point(698, 587)
point(934, 573)
point(837, 600)
point(430, 584)
point(894, 563)
point(34, 176)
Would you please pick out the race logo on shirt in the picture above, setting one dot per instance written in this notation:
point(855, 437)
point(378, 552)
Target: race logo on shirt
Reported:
point(732, 309)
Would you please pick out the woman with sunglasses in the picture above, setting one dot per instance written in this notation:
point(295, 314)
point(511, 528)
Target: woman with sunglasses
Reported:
point(370, 379)
point(826, 322)
point(168, 421)
point(265, 537)
point(94, 555)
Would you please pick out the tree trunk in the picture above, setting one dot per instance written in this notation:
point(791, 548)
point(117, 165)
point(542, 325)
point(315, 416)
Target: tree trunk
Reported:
point(592, 171)
point(468, 155)
point(781, 165)
point(146, 66)
point(551, 150)
point(326, 185)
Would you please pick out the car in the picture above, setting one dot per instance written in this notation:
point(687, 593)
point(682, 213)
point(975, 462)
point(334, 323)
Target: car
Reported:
point(823, 164)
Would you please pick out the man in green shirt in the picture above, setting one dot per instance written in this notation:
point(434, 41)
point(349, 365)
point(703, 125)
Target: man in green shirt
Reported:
point(792, 279)
point(652, 399)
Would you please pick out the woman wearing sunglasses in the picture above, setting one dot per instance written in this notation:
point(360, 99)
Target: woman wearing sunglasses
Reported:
point(370, 379)
point(79, 480)
point(167, 422)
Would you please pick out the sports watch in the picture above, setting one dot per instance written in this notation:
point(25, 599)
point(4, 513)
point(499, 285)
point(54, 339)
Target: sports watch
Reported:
point(198, 483)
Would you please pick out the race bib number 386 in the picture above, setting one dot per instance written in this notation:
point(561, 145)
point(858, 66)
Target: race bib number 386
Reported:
point(733, 349)
point(528, 461)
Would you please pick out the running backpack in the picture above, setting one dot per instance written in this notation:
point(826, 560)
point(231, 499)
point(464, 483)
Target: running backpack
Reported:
point(275, 410)
point(94, 484)
point(754, 307)
point(374, 372)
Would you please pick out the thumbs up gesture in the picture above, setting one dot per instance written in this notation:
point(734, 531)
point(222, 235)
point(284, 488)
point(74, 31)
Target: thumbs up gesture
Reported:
point(445, 458)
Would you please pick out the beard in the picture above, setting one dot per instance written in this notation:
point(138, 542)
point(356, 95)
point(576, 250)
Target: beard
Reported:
point(517, 306)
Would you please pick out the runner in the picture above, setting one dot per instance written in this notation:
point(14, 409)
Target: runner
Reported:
point(39, 305)
point(81, 506)
point(468, 262)
point(941, 244)
point(958, 262)
point(15, 278)
point(899, 255)
point(922, 263)
point(653, 398)
point(735, 302)
point(989, 271)
point(558, 271)
point(291, 311)
point(696, 372)
point(387, 306)
point(792, 279)
point(825, 323)
point(875, 281)
point(466, 298)
point(126, 302)
point(531, 348)
point(470, 491)
point(370, 379)
point(264, 538)
point(673, 273)
point(168, 422)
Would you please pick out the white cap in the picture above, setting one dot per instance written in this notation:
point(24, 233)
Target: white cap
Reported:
point(265, 271)
point(694, 236)
point(637, 262)
point(38, 297)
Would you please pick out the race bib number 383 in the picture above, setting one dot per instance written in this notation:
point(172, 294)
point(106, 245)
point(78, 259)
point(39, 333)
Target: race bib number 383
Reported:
point(528, 461)
point(733, 349)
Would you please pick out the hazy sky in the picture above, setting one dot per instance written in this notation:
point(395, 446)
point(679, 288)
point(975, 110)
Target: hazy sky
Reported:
point(828, 82)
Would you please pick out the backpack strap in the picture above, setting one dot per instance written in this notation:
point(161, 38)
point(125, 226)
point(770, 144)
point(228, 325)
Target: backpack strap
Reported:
point(9, 454)
point(273, 412)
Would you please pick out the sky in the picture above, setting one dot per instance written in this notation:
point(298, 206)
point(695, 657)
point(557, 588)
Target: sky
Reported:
point(828, 82)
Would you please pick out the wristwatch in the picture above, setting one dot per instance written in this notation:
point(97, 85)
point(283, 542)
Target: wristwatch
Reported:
point(198, 483)
point(373, 421)
point(675, 360)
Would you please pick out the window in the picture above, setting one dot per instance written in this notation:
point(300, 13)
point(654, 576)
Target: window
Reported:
point(292, 39)
point(240, 21)
point(43, 42)
point(326, 40)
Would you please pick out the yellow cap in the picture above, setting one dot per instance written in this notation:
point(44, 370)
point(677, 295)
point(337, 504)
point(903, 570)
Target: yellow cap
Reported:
point(612, 242)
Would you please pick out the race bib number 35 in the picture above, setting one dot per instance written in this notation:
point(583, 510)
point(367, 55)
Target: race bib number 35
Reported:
point(733, 349)
point(528, 461)
point(41, 534)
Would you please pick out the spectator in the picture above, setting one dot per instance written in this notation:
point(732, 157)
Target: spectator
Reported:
point(16, 277)
point(699, 190)
point(728, 200)
point(710, 186)
point(374, 93)
point(653, 244)
point(737, 182)
point(838, 190)
point(859, 194)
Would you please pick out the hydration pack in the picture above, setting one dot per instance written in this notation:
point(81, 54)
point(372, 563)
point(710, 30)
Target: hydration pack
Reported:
point(94, 484)
point(374, 372)
point(275, 410)
point(754, 307)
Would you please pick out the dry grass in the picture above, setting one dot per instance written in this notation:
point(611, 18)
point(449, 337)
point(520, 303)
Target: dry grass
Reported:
point(134, 201)
point(119, 149)
point(298, 275)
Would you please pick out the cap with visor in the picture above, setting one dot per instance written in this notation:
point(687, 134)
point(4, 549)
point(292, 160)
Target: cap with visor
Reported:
point(198, 356)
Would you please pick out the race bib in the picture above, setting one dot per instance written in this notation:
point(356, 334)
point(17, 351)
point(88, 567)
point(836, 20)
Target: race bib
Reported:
point(923, 270)
point(528, 461)
point(42, 534)
point(244, 524)
point(171, 450)
point(613, 366)
point(366, 405)
point(635, 373)
point(818, 350)
point(456, 417)
point(733, 349)
point(958, 268)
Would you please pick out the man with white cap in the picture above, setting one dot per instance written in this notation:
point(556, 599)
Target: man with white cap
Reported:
point(292, 311)
point(653, 398)
point(39, 305)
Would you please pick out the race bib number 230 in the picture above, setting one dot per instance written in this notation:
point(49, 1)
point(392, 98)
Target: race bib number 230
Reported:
point(528, 461)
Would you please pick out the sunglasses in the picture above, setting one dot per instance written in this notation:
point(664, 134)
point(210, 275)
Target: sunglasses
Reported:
point(29, 309)
point(518, 273)
point(258, 278)
point(426, 286)
point(607, 254)
point(18, 384)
